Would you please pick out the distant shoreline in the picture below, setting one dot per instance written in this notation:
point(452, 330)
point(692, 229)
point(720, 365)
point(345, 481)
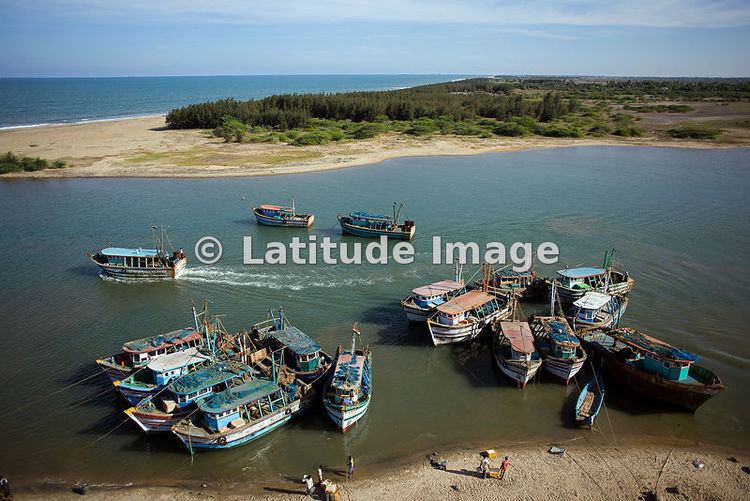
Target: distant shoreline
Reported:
point(81, 121)
point(587, 471)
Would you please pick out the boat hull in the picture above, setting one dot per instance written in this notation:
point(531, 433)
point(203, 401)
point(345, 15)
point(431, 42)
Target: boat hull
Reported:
point(563, 368)
point(298, 222)
point(114, 371)
point(156, 422)
point(448, 334)
point(361, 231)
point(128, 274)
point(135, 396)
point(415, 313)
point(344, 417)
point(686, 396)
point(567, 296)
point(519, 371)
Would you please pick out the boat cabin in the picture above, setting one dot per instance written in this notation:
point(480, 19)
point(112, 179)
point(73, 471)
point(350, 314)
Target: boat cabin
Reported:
point(562, 341)
point(520, 341)
point(306, 351)
point(132, 258)
point(173, 365)
point(348, 378)
point(473, 303)
point(276, 210)
point(249, 401)
point(587, 308)
point(190, 387)
point(582, 278)
point(655, 356)
point(434, 294)
point(141, 351)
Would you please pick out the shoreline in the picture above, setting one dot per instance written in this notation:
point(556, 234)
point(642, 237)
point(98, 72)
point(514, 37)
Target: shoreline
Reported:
point(141, 147)
point(585, 471)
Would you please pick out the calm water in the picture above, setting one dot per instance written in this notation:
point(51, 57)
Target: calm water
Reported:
point(678, 218)
point(33, 101)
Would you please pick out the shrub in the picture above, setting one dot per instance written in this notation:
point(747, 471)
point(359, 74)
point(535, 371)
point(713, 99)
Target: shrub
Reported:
point(468, 129)
point(512, 129)
point(231, 129)
point(694, 132)
point(559, 130)
point(421, 127)
point(369, 130)
point(312, 139)
point(13, 163)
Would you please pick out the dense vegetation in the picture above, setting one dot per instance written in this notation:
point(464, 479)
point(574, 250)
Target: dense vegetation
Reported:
point(554, 107)
point(13, 163)
point(694, 132)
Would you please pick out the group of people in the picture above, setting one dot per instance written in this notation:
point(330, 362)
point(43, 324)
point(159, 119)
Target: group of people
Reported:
point(484, 466)
point(310, 485)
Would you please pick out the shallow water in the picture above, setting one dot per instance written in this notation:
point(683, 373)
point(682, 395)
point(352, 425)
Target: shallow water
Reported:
point(678, 219)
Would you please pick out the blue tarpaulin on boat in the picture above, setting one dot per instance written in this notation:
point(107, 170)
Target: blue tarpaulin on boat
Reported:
point(238, 395)
point(581, 272)
point(210, 376)
point(124, 252)
point(296, 340)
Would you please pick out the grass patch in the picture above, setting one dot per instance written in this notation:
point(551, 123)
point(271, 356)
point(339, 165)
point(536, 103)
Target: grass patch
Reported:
point(694, 132)
point(13, 163)
point(659, 108)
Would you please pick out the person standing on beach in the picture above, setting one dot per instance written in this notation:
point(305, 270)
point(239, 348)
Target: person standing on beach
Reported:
point(504, 467)
point(308, 481)
point(484, 466)
point(349, 467)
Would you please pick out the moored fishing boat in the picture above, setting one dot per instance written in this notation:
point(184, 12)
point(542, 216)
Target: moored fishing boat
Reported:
point(514, 351)
point(363, 224)
point(561, 351)
point(589, 402)
point(141, 264)
point(465, 317)
point(573, 283)
point(281, 215)
point(159, 372)
point(159, 412)
point(348, 392)
point(524, 285)
point(242, 413)
point(651, 367)
point(303, 355)
point(422, 302)
point(596, 310)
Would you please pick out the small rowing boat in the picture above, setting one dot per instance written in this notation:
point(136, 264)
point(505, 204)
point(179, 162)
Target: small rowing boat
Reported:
point(596, 310)
point(466, 316)
point(422, 302)
point(140, 264)
point(348, 392)
point(573, 283)
point(364, 224)
point(282, 215)
point(589, 402)
point(514, 351)
point(651, 367)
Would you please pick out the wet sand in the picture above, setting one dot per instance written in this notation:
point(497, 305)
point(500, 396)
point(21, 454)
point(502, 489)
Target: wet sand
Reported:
point(584, 472)
point(143, 147)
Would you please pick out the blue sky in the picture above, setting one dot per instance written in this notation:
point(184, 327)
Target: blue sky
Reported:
point(43, 38)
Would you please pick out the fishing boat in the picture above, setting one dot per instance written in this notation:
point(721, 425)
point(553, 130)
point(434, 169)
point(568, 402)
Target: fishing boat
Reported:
point(159, 412)
point(589, 402)
point(303, 355)
point(651, 367)
point(243, 413)
point(514, 351)
point(281, 215)
point(422, 302)
point(348, 392)
point(364, 224)
point(561, 351)
point(573, 283)
point(596, 310)
point(159, 372)
point(466, 316)
point(141, 264)
point(525, 285)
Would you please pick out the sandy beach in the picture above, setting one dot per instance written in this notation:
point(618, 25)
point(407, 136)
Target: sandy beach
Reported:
point(143, 147)
point(585, 472)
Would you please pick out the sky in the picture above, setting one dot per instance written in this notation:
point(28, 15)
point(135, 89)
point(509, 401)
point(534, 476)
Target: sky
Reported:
point(85, 38)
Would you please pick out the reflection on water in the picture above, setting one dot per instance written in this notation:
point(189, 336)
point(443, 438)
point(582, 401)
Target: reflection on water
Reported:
point(677, 218)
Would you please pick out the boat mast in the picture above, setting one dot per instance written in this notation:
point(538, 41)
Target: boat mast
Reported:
point(397, 213)
point(552, 300)
point(459, 271)
point(294, 207)
point(355, 333)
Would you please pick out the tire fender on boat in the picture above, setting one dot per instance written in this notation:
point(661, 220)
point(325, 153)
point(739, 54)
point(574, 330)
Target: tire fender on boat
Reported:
point(222, 440)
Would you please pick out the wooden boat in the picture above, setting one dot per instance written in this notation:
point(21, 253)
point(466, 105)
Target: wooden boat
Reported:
point(589, 402)
point(514, 351)
point(573, 283)
point(596, 310)
point(363, 224)
point(524, 285)
point(158, 413)
point(243, 413)
point(303, 355)
point(348, 392)
point(281, 215)
point(651, 367)
point(561, 351)
point(465, 316)
point(136, 354)
point(159, 372)
point(140, 264)
point(422, 302)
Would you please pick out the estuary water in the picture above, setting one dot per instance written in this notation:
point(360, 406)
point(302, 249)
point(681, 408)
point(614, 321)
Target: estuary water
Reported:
point(678, 219)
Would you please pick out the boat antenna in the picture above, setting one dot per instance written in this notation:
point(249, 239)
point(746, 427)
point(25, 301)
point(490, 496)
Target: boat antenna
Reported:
point(294, 207)
point(355, 333)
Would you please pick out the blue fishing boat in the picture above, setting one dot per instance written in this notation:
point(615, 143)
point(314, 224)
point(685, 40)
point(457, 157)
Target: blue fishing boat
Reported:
point(561, 351)
point(242, 413)
point(423, 301)
point(364, 224)
point(135, 264)
point(589, 402)
point(302, 354)
point(596, 310)
point(348, 392)
point(573, 283)
point(282, 215)
point(159, 412)
point(651, 367)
